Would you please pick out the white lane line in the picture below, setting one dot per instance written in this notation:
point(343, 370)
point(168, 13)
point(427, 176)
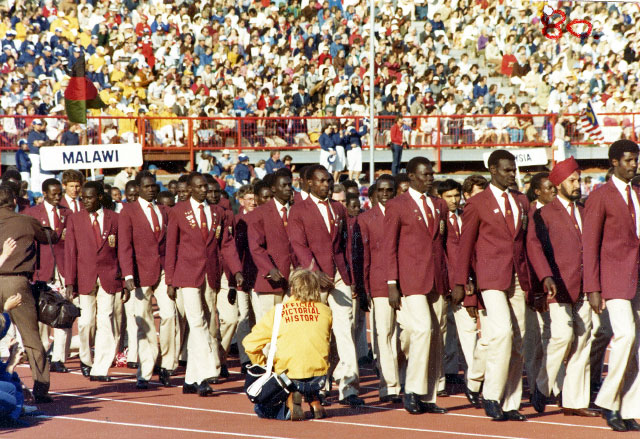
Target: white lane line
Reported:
point(160, 427)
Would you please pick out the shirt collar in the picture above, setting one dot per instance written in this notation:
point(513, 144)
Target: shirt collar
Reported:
point(316, 199)
point(144, 203)
point(195, 205)
point(100, 212)
point(48, 206)
point(621, 185)
point(565, 203)
point(539, 205)
point(279, 205)
point(497, 192)
point(415, 194)
point(382, 208)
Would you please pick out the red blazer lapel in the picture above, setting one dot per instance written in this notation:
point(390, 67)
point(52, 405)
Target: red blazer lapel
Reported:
point(215, 223)
point(494, 208)
point(417, 213)
point(437, 217)
point(617, 198)
point(276, 218)
point(566, 217)
point(314, 211)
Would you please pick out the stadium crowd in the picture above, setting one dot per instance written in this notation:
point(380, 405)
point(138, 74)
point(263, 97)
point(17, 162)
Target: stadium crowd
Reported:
point(311, 59)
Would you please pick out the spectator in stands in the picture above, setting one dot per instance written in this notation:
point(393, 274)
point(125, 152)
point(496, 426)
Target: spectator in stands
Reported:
point(125, 175)
point(71, 135)
point(396, 144)
point(242, 173)
point(36, 139)
point(225, 162)
point(23, 163)
point(273, 163)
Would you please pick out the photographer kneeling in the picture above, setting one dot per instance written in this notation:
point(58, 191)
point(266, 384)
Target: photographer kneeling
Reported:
point(302, 346)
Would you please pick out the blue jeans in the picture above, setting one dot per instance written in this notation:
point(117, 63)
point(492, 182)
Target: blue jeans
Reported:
point(10, 401)
point(396, 150)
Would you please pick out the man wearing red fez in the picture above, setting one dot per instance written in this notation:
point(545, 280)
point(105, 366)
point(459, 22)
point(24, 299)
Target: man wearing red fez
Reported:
point(611, 257)
point(554, 247)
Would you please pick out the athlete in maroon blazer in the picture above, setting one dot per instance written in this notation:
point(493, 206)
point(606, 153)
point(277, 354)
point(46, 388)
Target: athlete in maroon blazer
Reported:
point(83, 264)
point(52, 194)
point(188, 258)
point(269, 241)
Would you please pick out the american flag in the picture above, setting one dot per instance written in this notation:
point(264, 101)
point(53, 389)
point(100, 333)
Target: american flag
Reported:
point(590, 126)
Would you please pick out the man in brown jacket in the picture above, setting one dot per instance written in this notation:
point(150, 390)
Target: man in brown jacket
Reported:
point(14, 278)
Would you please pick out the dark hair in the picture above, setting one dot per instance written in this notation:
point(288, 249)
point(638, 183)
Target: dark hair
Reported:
point(172, 182)
point(260, 185)
point(536, 183)
point(165, 194)
point(99, 188)
point(129, 185)
point(192, 176)
point(7, 195)
point(473, 180)
point(338, 188)
point(282, 171)
point(210, 179)
point(269, 179)
point(351, 197)
point(184, 178)
point(414, 162)
point(400, 178)
point(272, 153)
point(619, 147)
point(386, 177)
point(449, 185)
point(500, 154)
point(11, 174)
point(310, 170)
point(72, 176)
point(373, 188)
point(349, 183)
point(48, 183)
point(143, 174)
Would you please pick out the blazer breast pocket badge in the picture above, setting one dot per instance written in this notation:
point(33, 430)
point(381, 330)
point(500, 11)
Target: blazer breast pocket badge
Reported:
point(112, 241)
point(442, 227)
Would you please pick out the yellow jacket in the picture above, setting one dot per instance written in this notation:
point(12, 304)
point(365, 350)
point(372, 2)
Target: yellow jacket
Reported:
point(303, 339)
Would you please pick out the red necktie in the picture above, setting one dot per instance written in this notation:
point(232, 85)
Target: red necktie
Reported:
point(632, 210)
point(75, 206)
point(330, 214)
point(427, 211)
point(284, 215)
point(96, 230)
point(204, 227)
point(508, 214)
point(574, 218)
point(154, 221)
point(456, 227)
point(56, 221)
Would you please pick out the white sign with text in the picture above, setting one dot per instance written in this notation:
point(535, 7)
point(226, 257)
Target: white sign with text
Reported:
point(53, 158)
point(524, 157)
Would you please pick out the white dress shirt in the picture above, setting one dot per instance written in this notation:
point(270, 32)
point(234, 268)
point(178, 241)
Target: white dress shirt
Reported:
point(456, 218)
point(50, 208)
point(304, 195)
point(416, 197)
point(323, 211)
point(70, 203)
point(100, 213)
point(514, 206)
point(279, 207)
point(145, 208)
point(567, 205)
point(622, 188)
point(382, 208)
point(195, 206)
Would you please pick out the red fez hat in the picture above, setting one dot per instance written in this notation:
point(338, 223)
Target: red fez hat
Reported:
point(562, 170)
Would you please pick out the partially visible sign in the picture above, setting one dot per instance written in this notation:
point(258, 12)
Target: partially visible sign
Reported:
point(122, 155)
point(524, 157)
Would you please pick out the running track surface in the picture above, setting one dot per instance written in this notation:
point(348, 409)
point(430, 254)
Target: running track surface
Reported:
point(84, 409)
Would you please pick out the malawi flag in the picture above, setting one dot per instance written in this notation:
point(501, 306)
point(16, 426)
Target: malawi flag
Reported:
point(80, 94)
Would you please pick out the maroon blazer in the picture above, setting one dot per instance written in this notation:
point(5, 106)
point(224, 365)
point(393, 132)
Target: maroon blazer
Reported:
point(297, 198)
point(311, 240)
point(452, 243)
point(141, 255)
point(224, 203)
point(63, 203)
point(610, 245)
point(44, 264)
point(249, 269)
point(374, 263)
point(188, 257)
point(415, 256)
point(84, 265)
point(486, 237)
point(270, 247)
point(23, 204)
point(355, 253)
point(554, 249)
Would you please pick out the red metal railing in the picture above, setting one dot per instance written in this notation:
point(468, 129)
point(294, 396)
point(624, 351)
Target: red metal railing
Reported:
point(188, 135)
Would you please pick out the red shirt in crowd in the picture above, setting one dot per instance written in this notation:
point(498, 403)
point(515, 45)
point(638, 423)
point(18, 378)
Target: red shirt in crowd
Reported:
point(396, 134)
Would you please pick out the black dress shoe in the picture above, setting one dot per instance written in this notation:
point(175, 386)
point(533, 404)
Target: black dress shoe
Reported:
point(352, 401)
point(204, 389)
point(101, 378)
point(132, 365)
point(494, 410)
point(58, 366)
point(442, 393)
point(614, 420)
point(164, 377)
point(473, 397)
point(182, 363)
point(430, 407)
point(538, 400)
point(189, 388)
point(213, 380)
point(244, 367)
point(631, 424)
point(412, 404)
point(142, 384)
point(224, 371)
point(42, 399)
point(86, 370)
point(395, 399)
point(514, 415)
point(324, 399)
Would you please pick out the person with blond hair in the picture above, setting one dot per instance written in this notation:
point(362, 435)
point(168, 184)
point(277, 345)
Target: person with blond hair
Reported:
point(304, 360)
